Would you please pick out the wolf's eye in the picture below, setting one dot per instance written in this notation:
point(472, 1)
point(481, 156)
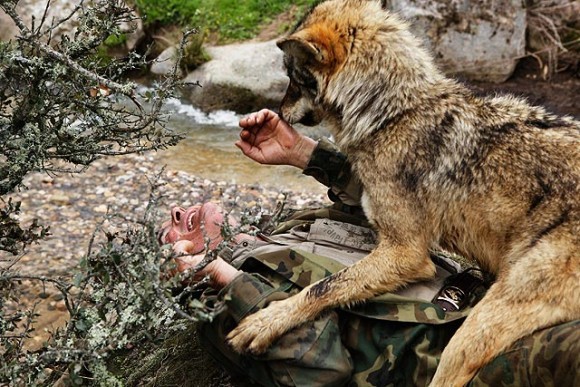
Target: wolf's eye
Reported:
point(300, 76)
point(304, 79)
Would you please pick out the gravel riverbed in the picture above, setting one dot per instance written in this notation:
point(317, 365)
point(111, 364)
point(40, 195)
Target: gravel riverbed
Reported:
point(73, 205)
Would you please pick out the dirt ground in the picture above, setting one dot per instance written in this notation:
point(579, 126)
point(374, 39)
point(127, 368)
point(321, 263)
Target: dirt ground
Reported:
point(560, 94)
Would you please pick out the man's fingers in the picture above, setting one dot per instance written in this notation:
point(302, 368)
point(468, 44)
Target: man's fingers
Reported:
point(247, 139)
point(183, 247)
point(245, 135)
point(248, 121)
point(188, 262)
point(250, 151)
point(262, 116)
point(253, 119)
point(244, 122)
point(257, 119)
point(245, 147)
point(241, 146)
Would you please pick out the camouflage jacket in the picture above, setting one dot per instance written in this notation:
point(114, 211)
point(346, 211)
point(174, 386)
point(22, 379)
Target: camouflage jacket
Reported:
point(392, 340)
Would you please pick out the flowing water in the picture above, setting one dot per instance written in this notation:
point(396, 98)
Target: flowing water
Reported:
point(208, 151)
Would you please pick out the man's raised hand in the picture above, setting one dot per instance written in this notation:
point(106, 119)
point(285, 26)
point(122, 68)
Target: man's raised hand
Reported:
point(267, 139)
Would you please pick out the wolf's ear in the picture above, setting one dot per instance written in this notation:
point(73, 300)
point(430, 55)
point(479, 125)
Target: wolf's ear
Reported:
point(303, 50)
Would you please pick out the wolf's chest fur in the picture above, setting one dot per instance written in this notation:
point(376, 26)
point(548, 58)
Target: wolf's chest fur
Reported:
point(479, 171)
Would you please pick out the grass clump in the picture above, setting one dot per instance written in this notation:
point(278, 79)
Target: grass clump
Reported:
point(227, 20)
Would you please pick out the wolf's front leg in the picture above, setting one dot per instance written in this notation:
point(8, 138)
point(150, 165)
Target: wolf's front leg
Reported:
point(385, 269)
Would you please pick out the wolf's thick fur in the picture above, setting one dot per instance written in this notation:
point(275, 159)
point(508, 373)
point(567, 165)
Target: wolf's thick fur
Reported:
point(494, 179)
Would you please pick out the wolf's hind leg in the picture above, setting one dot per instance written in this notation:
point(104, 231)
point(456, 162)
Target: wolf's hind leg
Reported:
point(509, 311)
point(385, 269)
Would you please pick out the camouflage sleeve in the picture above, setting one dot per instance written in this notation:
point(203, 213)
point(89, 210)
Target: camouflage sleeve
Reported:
point(312, 355)
point(250, 292)
point(548, 357)
point(330, 167)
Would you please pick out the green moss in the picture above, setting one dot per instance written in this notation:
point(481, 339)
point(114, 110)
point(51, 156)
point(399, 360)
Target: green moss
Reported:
point(115, 40)
point(107, 51)
point(194, 54)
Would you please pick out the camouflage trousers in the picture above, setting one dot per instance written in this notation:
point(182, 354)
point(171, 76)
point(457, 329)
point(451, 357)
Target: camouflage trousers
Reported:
point(393, 340)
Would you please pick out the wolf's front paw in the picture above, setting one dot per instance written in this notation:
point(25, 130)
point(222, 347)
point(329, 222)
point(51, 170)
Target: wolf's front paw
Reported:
point(257, 332)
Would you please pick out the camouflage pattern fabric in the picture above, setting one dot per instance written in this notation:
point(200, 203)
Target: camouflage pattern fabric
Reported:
point(343, 347)
point(549, 357)
point(391, 341)
point(334, 212)
point(312, 356)
point(394, 338)
point(330, 167)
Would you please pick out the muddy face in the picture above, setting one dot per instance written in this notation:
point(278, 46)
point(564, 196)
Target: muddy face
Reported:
point(197, 224)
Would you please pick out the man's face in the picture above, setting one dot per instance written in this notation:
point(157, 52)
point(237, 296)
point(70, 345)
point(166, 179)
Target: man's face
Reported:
point(194, 224)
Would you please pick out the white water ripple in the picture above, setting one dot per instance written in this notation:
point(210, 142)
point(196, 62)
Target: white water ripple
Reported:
point(184, 108)
point(217, 117)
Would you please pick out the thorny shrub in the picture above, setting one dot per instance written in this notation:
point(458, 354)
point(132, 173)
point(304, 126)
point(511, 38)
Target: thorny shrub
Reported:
point(121, 297)
point(61, 108)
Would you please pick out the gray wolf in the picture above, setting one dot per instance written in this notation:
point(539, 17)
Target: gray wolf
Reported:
point(494, 179)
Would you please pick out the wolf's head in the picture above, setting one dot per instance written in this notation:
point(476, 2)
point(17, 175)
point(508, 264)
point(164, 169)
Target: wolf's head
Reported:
point(355, 62)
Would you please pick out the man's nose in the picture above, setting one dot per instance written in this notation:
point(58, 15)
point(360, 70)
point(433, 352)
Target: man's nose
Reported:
point(177, 214)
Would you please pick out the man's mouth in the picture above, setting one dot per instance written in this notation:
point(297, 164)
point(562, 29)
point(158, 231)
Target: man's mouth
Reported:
point(189, 223)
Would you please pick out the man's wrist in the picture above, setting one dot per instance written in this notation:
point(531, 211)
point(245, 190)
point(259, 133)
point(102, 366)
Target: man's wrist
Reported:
point(304, 152)
point(222, 273)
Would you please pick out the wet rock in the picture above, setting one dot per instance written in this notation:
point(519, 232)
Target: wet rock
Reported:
point(471, 39)
point(476, 40)
point(59, 199)
point(101, 209)
point(61, 306)
point(240, 77)
point(165, 62)
point(58, 297)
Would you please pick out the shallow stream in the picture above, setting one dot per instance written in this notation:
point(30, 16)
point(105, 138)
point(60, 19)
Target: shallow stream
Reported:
point(208, 151)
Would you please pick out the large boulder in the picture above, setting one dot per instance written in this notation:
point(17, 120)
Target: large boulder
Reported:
point(34, 9)
point(240, 77)
point(474, 39)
